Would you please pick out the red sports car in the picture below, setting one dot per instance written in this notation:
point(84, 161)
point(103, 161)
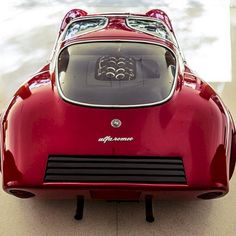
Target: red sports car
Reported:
point(117, 114)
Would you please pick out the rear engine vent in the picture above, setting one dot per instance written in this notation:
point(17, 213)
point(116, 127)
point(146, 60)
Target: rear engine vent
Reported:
point(141, 169)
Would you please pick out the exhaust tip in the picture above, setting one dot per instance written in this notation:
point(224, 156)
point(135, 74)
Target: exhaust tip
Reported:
point(21, 193)
point(210, 195)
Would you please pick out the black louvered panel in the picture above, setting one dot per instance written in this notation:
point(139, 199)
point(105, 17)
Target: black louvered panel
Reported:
point(133, 169)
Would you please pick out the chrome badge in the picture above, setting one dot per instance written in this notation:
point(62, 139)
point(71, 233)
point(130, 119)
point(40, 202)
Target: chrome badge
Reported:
point(108, 139)
point(116, 123)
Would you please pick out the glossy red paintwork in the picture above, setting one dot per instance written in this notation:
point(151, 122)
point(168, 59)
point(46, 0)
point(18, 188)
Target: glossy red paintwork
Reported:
point(192, 124)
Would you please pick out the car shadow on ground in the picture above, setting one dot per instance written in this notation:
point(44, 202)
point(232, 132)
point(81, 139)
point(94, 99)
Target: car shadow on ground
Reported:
point(116, 218)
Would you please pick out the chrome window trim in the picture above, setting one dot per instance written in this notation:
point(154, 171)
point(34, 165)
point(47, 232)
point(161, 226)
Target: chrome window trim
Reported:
point(117, 106)
point(174, 41)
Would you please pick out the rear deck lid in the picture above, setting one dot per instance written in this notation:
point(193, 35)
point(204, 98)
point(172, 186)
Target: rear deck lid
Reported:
point(116, 73)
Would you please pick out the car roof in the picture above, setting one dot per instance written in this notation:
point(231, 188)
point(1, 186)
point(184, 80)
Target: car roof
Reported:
point(117, 29)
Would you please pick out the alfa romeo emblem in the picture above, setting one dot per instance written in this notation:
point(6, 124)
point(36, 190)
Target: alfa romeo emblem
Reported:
point(116, 123)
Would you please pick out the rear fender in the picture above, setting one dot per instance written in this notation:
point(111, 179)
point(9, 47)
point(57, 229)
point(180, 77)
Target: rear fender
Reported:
point(233, 148)
point(233, 155)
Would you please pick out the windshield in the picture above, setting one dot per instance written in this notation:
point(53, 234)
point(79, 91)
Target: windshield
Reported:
point(116, 73)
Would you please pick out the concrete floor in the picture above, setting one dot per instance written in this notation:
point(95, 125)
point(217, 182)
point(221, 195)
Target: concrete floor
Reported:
point(24, 50)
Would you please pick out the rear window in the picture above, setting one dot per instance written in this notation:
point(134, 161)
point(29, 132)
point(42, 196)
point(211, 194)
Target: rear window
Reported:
point(116, 73)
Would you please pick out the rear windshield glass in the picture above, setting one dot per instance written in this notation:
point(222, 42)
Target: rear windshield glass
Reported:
point(116, 73)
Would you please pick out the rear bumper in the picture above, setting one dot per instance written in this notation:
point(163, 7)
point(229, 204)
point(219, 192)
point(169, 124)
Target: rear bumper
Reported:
point(116, 178)
point(119, 191)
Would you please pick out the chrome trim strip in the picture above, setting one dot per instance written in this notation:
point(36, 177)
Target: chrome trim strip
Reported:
point(118, 106)
point(151, 19)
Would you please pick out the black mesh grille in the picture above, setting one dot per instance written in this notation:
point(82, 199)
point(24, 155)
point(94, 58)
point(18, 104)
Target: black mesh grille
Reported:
point(143, 169)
